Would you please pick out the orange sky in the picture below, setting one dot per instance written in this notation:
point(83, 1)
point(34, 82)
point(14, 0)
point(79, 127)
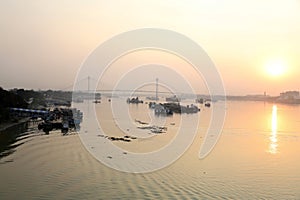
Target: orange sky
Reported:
point(41, 40)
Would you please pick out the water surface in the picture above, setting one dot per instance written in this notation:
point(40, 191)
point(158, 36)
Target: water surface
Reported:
point(255, 158)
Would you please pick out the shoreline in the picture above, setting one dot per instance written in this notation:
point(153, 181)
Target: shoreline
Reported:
point(7, 125)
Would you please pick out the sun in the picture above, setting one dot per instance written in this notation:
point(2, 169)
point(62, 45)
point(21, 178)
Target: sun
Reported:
point(276, 68)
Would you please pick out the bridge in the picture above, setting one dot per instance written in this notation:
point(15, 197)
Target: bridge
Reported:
point(86, 82)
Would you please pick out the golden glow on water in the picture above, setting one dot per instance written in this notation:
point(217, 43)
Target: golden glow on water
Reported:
point(273, 138)
point(245, 163)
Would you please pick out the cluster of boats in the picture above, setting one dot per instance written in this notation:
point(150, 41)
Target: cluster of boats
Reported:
point(135, 100)
point(154, 129)
point(203, 101)
point(63, 119)
point(170, 108)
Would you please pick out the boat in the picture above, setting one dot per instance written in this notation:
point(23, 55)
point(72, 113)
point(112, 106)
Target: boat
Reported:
point(152, 105)
point(190, 109)
point(158, 129)
point(207, 104)
point(63, 119)
point(134, 100)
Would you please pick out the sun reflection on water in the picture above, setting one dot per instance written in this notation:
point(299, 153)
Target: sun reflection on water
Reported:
point(273, 137)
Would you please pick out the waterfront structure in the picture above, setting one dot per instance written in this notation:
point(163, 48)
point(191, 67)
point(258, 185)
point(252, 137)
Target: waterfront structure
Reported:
point(289, 97)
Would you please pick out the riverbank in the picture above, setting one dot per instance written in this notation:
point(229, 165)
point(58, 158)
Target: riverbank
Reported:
point(6, 125)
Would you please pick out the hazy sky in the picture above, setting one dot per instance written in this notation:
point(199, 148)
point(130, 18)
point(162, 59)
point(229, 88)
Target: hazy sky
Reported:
point(43, 43)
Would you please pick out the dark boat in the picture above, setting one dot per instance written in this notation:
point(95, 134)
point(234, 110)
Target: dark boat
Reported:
point(207, 104)
point(134, 100)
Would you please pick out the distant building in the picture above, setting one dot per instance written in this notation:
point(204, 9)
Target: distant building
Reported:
point(290, 95)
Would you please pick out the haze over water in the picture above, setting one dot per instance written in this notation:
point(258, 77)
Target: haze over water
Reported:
point(254, 44)
point(255, 158)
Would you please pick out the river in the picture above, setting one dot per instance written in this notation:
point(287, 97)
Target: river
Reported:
point(256, 156)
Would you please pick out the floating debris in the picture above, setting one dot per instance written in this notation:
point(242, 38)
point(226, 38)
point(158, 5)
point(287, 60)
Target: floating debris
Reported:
point(140, 122)
point(154, 129)
point(119, 139)
point(126, 138)
point(131, 137)
point(157, 130)
point(144, 127)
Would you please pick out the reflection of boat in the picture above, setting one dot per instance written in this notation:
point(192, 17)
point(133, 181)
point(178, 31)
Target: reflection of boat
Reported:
point(161, 110)
point(97, 101)
point(152, 105)
point(173, 99)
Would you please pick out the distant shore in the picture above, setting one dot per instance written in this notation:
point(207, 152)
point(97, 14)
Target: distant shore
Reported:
point(265, 99)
